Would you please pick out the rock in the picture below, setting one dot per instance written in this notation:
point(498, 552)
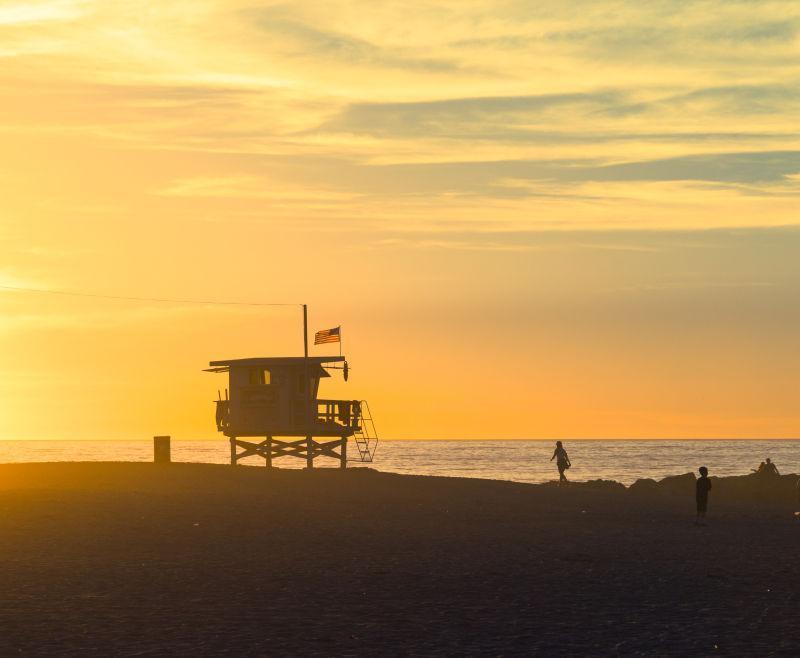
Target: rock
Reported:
point(679, 485)
point(646, 486)
point(757, 488)
point(607, 485)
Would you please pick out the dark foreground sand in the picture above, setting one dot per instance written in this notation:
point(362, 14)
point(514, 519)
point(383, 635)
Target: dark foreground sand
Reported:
point(139, 559)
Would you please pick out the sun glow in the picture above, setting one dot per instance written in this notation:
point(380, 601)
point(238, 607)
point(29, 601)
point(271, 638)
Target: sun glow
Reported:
point(530, 221)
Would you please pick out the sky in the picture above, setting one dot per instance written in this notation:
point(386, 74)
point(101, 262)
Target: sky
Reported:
point(531, 219)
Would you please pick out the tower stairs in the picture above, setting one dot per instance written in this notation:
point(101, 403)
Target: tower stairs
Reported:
point(366, 437)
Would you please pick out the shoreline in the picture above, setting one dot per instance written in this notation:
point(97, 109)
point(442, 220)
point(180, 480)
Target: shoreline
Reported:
point(672, 484)
point(518, 461)
point(471, 440)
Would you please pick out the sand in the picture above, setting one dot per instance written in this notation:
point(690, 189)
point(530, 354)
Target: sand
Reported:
point(189, 559)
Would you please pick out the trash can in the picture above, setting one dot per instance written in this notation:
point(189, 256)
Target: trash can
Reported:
point(161, 450)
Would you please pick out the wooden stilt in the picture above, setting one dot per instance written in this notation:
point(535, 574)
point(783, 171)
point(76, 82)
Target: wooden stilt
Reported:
point(233, 451)
point(343, 453)
point(309, 452)
point(269, 452)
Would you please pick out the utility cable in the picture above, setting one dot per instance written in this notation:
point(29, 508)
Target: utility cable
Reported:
point(70, 293)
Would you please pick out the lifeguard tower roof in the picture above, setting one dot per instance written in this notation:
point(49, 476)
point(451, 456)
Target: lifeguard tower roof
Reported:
point(265, 362)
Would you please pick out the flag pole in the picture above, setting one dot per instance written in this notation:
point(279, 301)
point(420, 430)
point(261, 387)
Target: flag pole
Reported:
point(307, 389)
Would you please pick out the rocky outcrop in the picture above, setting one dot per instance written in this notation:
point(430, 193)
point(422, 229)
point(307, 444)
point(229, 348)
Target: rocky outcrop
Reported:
point(757, 488)
point(605, 485)
point(745, 488)
point(646, 487)
point(678, 485)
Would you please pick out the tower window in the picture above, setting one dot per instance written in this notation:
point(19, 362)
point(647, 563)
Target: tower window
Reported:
point(260, 377)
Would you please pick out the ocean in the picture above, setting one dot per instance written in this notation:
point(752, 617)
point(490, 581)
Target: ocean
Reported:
point(521, 461)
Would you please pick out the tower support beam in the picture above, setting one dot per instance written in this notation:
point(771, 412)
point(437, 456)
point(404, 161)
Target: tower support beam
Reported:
point(306, 448)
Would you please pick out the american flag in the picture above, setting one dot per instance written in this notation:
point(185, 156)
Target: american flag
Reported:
point(327, 336)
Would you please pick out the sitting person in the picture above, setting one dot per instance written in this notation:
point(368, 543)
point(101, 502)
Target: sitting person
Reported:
point(760, 469)
point(770, 470)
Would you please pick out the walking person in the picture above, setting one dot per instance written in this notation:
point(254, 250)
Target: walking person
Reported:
point(702, 488)
point(562, 461)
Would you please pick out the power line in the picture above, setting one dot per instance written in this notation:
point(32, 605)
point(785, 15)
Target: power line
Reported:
point(70, 293)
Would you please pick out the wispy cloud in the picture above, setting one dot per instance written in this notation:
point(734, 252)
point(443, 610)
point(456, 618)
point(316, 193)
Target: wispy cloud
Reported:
point(493, 178)
point(248, 187)
point(32, 12)
point(466, 116)
point(307, 41)
point(737, 101)
point(508, 242)
point(361, 116)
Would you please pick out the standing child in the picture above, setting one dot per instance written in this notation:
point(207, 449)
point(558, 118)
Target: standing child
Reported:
point(703, 487)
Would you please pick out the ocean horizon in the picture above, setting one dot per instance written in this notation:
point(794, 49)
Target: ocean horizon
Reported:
point(518, 460)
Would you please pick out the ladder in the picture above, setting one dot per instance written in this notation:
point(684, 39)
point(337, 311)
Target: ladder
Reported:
point(365, 436)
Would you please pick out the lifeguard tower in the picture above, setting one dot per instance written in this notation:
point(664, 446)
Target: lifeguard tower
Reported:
point(275, 397)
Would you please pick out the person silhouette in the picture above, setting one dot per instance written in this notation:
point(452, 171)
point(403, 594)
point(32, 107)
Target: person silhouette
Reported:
point(770, 470)
point(703, 486)
point(562, 461)
point(760, 469)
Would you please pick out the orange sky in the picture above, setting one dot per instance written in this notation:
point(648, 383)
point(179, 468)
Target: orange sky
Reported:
point(560, 220)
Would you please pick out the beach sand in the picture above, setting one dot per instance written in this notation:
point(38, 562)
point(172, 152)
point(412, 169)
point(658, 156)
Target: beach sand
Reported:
point(191, 559)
